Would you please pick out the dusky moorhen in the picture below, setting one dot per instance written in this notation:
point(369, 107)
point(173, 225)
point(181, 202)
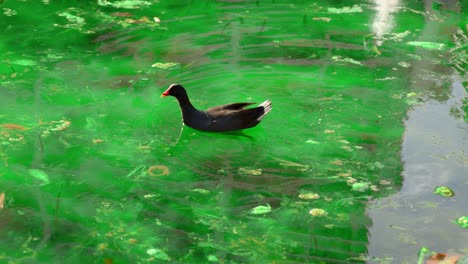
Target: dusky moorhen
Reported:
point(222, 118)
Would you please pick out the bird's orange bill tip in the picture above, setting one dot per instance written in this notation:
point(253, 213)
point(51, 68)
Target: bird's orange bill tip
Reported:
point(166, 93)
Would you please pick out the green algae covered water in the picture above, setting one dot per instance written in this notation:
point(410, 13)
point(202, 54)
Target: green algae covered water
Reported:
point(95, 167)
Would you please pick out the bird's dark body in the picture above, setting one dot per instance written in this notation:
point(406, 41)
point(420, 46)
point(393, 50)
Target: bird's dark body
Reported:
point(222, 118)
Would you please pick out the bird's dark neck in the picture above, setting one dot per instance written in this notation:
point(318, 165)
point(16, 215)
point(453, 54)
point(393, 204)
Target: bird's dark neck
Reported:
point(185, 103)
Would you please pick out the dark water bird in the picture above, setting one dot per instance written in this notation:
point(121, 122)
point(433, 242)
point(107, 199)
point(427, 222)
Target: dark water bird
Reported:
point(222, 118)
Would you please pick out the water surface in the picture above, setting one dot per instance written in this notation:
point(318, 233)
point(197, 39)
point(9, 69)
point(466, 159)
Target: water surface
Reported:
point(96, 167)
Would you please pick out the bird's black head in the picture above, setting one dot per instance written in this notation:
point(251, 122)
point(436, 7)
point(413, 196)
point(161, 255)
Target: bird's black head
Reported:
point(175, 90)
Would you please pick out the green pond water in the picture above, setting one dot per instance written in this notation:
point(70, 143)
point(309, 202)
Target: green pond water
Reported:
point(369, 116)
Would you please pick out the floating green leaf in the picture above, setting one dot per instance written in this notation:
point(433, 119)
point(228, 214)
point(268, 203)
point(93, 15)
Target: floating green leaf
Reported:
point(40, 175)
point(422, 254)
point(9, 12)
point(213, 258)
point(72, 18)
point(260, 210)
point(348, 60)
point(158, 254)
point(166, 65)
point(309, 196)
point(375, 166)
point(404, 64)
point(317, 212)
point(427, 45)
point(345, 10)
point(127, 4)
point(52, 56)
point(200, 191)
point(444, 191)
point(361, 186)
point(250, 171)
point(463, 221)
point(24, 62)
point(401, 35)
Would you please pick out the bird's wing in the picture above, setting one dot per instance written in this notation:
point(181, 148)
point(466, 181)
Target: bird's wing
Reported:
point(233, 117)
point(235, 106)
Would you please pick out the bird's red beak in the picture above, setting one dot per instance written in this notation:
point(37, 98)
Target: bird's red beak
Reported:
point(166, 93)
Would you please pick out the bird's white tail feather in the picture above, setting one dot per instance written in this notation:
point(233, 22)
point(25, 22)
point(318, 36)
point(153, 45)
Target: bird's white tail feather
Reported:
point(266, 108)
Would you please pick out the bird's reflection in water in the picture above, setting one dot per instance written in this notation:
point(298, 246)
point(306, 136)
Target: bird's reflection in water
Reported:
point(243, 172)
